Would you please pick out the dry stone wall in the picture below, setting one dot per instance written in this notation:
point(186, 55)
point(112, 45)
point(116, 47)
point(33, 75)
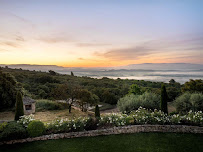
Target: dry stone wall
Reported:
point(113, 131)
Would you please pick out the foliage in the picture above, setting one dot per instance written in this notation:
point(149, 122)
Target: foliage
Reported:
point(8, 90)
point(45, 85)
point(35, 128)
point(191, 118)
point(144, 116)
point(193, 86)
point(66, 125)
point(25, 120)
point(115, 119)
point(19, 106)
point(135, 89)
point(85, 97)
point(133, 102)
point(97, 112)
point(72, 73)
point(50, 105)
point(2, 126)
point(164, 99)
point(188, 101)
point(13, 131)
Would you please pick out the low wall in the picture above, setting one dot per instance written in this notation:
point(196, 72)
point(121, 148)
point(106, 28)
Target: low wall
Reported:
point(113, 131)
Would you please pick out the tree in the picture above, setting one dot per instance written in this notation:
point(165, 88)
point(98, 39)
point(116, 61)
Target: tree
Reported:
point(97, 112)
point(72, 73)
point(164, 99)
point(19, 106)
point(52, 72)
point(109, 97)
point(8, 90)
point(193, 86)
point(172, 81)
point(135, 89)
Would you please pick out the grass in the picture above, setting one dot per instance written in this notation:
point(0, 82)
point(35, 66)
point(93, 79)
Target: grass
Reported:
point(47, 116)
point(140, 142)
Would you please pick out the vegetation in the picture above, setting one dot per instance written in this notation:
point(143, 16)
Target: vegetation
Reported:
point(133, 102)
point(43, 104)
point(135, 89)
point(139, 142)
point(189, 101)
point(12, 131)
point(47, 85)
point(19, 106)
point(164, 99)
point(97, 112)
point(193, 86)
point(35, 128)
point(8, 90)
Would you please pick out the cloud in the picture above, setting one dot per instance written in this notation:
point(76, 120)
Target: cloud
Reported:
point(19, 38)
point(126, 53)
point(81, 59)
point(91, 44)
point(11, 44)
point(155, 47)
point(56, 38)
point(3, 50)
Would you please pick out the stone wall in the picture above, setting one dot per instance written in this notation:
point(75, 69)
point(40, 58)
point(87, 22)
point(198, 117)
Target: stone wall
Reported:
point(115, 130)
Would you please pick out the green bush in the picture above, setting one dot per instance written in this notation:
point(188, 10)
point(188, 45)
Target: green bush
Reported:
point(2, 126)
point(19, 106)
point(13, 131)
point(188, 101)
point(164, 98)
point(133, 102)
point(97, 112)
point(50, 105)
point(35, 128)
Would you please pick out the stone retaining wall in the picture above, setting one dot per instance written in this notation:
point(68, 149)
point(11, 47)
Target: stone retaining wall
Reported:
point(113, 131)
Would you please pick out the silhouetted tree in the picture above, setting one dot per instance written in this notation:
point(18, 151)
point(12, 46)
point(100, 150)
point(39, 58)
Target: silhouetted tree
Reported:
point(164, 99)
point(72, 73)
point(19, 106)
point(97, 112)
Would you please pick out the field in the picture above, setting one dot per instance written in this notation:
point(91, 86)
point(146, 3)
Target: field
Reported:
point(140, 142)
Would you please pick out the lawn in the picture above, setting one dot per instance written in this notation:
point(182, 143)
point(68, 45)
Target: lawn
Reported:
point(47, 116)
point(140, 142)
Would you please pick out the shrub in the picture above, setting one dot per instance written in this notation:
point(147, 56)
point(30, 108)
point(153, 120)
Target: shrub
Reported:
point(164, 98)
point(19, 106)
point(36, 128)
point(13, 131)
point(50, 105)
point(2, 126)
point(66, 125)
point(97, 112)
point(113, 119)
point(25, 120)
point(188, 101)
point(133, 102)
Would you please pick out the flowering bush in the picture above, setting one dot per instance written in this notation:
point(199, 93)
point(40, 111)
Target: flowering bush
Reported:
point(143, 116)
point(116, 119)
point(25, 120)
point(67, 125)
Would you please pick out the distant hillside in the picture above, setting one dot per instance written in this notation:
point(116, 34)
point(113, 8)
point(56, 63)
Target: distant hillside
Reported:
point(144, 66)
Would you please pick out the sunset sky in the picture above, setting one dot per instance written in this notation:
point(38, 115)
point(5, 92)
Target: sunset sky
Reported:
point(99, 33)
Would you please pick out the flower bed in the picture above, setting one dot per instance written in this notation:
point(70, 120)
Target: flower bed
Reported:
point(138, 117)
